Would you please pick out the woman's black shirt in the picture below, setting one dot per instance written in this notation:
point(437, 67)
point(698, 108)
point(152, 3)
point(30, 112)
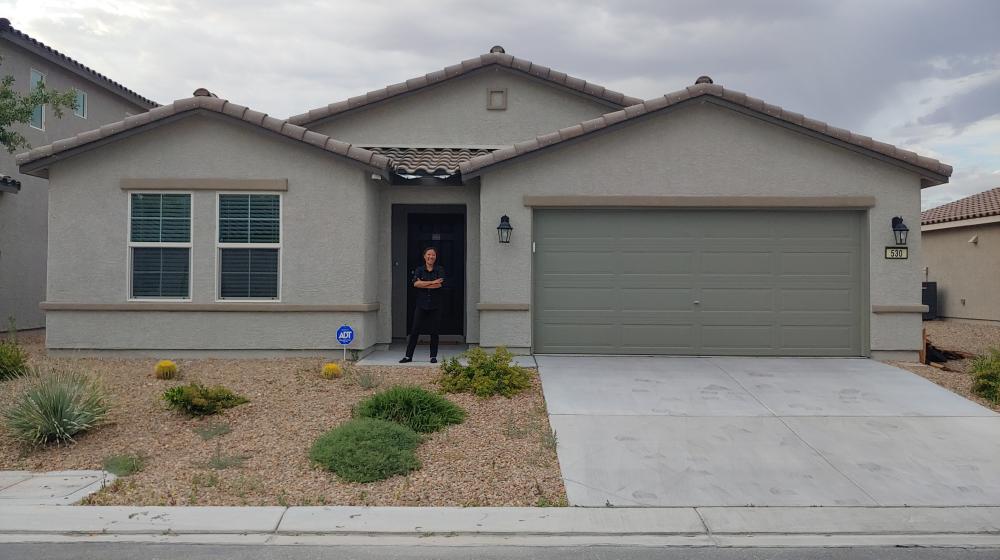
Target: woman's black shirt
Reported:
point(428, 298)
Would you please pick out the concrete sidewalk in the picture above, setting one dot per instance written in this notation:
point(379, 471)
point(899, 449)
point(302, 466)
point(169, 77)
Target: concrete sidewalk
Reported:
point(692, 527)
point(26, 488)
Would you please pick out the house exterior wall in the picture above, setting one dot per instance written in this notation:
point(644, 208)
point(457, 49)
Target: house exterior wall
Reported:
point(454, 113)
point(23, 235)
point(699, 150)
point(328, 253)
point(967, 274)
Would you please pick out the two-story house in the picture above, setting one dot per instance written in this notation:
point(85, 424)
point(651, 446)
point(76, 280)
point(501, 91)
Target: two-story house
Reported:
point(23, 198)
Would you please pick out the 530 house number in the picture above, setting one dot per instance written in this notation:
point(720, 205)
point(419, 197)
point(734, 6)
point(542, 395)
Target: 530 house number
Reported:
point(896, 253)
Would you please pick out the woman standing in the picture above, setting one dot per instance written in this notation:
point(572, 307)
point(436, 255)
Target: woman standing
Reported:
point(428, 280)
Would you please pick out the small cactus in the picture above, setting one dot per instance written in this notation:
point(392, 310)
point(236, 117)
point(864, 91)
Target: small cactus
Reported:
point(165, 369)
point(332, 370)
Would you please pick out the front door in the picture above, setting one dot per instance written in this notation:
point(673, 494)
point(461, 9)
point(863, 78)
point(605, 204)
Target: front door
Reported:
point(446, 232)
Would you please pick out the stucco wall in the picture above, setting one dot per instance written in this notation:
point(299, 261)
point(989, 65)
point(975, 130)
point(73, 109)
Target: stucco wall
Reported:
point(699, 150)
point(454, 113)
point(23, 235)
point(968, 274)
point(328, 230)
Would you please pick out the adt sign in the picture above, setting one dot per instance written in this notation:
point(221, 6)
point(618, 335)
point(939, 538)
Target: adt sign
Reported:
point(345, 335)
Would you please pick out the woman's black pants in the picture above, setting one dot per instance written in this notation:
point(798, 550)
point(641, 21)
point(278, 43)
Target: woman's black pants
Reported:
point(425, 321)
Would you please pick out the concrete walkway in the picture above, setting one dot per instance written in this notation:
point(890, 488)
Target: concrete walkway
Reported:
point(25, 488)
point(669, 432)
point(691, 527)
point(421, 356)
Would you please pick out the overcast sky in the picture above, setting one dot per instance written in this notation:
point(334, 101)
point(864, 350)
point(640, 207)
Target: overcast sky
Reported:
point(921, 75)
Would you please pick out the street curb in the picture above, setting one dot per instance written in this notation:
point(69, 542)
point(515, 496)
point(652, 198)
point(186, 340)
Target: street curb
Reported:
point(449, 526)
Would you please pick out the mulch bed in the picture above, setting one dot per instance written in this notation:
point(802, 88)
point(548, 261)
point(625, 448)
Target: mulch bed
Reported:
point(503, 455)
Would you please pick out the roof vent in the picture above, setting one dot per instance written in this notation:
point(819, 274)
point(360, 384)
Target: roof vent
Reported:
point(202, 92)
point(704, 80)
point(497, 49)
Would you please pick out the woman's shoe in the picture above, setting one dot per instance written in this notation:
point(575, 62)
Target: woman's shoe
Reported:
point(406, 360)
point(434, 360)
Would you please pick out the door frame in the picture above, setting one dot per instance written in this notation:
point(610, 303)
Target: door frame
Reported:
point(399, 238)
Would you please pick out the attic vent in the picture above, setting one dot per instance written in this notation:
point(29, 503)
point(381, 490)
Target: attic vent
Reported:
point(202, 92)
point(496, 99)
point(704, 80)
point(497, 49)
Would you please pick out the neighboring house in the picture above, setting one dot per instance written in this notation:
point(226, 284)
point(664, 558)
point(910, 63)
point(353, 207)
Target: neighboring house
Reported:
point(701, 222)
point(962, 254)
point(23, 198)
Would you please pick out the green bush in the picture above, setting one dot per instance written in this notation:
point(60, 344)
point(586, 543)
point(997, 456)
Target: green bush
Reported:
point(416, 408)
point(123, 465)
point(199, 400)
point(13, 360)
point(485, 375)
point(986, 375)
point(55, 407)
point(367, 449)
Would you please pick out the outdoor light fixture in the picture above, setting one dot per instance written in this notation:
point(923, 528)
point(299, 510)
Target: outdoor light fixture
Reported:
point(504, 229)
point(899, 230)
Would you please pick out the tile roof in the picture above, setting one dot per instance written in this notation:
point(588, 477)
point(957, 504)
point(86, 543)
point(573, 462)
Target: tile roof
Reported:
point(428, 161)
point(978, 205)
point(24, 40)
point(713, 92)
point(9, 184)
point(35, 162)
point(492, 58)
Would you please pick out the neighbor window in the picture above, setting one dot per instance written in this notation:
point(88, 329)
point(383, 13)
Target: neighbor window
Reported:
point(38, 115)
point(249, 246)
point(160, 245)
point(81, 104)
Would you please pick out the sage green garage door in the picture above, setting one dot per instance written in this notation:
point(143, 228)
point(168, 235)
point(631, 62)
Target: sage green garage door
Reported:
point(698, 282)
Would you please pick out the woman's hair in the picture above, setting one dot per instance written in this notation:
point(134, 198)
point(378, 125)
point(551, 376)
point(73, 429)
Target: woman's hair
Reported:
point(430, 248)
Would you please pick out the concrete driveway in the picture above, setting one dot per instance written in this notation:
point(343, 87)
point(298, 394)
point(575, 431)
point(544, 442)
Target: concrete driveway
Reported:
point(661, 431)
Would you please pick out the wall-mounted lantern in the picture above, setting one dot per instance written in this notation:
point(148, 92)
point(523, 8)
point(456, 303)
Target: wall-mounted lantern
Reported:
point(899, 230)
point(504, 229)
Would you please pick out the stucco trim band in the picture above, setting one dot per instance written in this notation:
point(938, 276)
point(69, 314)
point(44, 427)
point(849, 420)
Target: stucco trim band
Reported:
point(223, 307)
point(503, 306)
point(700, 201)
point(900, 308)
point(205, 184)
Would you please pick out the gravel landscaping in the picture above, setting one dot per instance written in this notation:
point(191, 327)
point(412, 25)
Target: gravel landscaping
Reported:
point(502, 455)
point(975, 337)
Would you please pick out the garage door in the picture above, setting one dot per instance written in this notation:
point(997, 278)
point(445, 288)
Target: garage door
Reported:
point(698, 282)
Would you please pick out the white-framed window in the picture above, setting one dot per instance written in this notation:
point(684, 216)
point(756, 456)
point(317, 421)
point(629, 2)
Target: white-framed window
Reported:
point(249, 246)
point(159, 246)
point(81, 104)
point(38, 115)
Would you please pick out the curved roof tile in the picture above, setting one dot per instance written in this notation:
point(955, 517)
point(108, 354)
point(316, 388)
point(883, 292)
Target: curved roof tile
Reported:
point(980, 205)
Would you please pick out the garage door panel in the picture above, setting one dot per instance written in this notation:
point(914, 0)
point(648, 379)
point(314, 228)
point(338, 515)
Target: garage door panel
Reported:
point(768, 282)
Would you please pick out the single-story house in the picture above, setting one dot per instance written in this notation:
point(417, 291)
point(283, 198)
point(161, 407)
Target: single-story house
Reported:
point(702, 222)
point(962, 254)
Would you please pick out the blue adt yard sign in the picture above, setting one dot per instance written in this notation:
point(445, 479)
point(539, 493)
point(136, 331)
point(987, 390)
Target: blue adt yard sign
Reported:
point(345, 335)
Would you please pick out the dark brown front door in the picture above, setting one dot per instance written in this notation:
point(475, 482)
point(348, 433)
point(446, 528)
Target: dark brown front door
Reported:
point(446, 232)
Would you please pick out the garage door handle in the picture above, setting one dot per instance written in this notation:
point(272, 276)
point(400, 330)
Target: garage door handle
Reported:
point(696, 302)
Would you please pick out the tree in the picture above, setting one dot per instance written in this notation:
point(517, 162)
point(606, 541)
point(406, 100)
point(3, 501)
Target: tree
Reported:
point(16, 108)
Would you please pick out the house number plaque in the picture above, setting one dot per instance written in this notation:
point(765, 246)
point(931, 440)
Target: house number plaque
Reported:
point(896, 253)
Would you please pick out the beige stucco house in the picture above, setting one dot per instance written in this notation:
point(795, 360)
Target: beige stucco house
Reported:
point(23, 197)
point(962, 254)
point(701, 222)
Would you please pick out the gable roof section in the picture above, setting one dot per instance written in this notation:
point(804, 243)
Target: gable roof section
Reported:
point(482, 61)
point(980, 205)
point(933, 171)
point(26, 42)
point(37, 161)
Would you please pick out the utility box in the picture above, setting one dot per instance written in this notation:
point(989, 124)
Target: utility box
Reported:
point(930, 299)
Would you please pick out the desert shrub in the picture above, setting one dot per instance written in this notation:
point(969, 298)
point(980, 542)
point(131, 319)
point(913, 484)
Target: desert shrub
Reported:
point(414, 407)
point(485, 374)
point(199, 400)
point(13, 360)
point(367, 379)
point(332, 370)
point(165, 369)
point(55, 407)
point(986, 375)
point(123, 465)
point(366, 450)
